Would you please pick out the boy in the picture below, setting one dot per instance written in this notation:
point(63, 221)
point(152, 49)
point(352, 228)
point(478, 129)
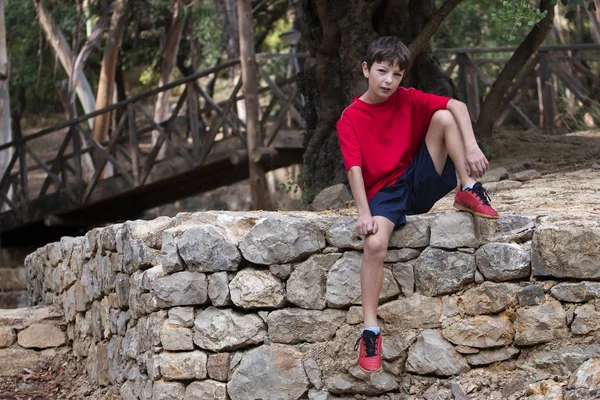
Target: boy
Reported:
point(402, 149)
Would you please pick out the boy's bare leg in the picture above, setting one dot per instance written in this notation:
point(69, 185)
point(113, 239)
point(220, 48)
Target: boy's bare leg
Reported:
point(444, 139)
point(371, 272)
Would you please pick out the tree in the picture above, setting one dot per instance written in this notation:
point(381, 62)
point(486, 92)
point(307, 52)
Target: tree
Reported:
point(5, 131)
point(254, 139)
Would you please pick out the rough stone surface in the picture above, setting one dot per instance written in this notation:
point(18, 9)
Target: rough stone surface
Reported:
point(576, 292)
point(206, 249)
point(41, 336)
point(180, 289)
point(439, 272)
point(307, 285)
point(502, 261)
point(174, 338)
point(331, 197)
point(343, 282)
point(587, 319)
point(281, 271)
point(532, 295)
point(415, 234)
point(491, 356)
point(502, 185)
point(431, 354)
point(401, 255)
point(181, 316)
point(21, 318)
point(540, 324)
point(414, 312)
point(566, 252)
point(494, 175)
point(218, 289)
point(525, 176)
point(183, 365)
point(223, 330)
point(217, 366)
point(295, 325)
point(13, 360)
point(168, 391)
point(7, 336)
point(404, 273)
point(489, 298)
point(482, 331)
point(587, 376)
point(252, 288)
point(342, 234)
point(563, 360)
point(281, 240)
point(281, 375)
point(451, 231)
point(206, 390)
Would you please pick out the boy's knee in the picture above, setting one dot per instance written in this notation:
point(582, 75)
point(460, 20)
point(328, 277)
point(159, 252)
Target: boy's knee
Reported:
point(443, 118)
point(375, 246)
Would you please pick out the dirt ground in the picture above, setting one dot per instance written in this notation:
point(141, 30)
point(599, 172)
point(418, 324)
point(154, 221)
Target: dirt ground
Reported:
point(568, 188)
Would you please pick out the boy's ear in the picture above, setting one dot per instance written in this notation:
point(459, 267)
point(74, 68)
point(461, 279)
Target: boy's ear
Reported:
point(365, 69)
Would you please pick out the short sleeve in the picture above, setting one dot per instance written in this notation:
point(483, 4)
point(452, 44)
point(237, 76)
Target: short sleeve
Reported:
point(425, 105)
point(348, 143)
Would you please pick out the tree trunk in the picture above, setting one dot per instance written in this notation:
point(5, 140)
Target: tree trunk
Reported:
point(60, 46)
point(168, 59)
point(338, 34)
point(594, 24)
point(254, 139)
point(5, 128)
point(491, 106)
point(106, 82)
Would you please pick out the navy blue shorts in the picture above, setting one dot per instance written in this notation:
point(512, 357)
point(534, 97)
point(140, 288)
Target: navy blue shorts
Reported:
point(416, 191)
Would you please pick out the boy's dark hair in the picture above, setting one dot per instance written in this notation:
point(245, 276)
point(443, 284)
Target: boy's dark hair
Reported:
point(388, 49)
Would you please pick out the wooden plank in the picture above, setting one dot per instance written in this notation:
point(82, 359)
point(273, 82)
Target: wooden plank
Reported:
point(134, 145)
point(547, 91)
point(5, 182)
point(280, 117)
point(192, 107)
point(51, 174)
point(56, 162)
point(462, 77)
point(572, 84)
point(452, 66)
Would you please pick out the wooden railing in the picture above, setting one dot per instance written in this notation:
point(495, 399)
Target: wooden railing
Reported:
point(200, 130)
point(547, 64)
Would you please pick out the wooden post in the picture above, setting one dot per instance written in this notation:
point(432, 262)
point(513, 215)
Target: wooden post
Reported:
point(547, 92)
point(462, 77)
point(254, 139)
point(5, 128)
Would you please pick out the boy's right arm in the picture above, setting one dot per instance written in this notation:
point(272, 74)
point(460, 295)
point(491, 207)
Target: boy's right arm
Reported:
point(366, 225)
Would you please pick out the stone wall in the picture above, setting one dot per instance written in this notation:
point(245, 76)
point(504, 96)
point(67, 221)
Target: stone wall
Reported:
point(221, 305)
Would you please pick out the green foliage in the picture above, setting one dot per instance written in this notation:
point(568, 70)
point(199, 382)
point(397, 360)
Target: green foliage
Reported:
point(517, 13)
point(296, 184)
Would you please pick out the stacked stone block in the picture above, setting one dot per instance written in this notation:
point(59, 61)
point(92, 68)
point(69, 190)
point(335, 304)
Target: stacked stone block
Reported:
point(221, 305)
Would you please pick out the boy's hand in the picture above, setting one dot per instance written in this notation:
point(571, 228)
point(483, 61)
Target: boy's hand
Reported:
point(477, 163)
point(366, 225)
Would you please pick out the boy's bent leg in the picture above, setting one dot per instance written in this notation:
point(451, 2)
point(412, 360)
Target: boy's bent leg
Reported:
point(371, 279)
point(444, 139)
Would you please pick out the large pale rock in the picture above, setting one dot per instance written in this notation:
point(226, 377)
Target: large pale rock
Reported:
point(563, 360)
point(13, 360)
point(524, 176)
point(176, 338)
point(586, 376)
point(280, 376)
point(295, 325)
point(41, 336)
point(168, 390)
point(482, 331)
point(206, 390)
point(489, 298)
point(180, 289)
point(532, 295)
point(281, 240)
point(361, 383)
point(218, 289)
point(544, 390)
point(431, 354)
point(181, 316)
point(491, 356)
point(342, 234)
point(502, 261)
point(169, 257)
point(307, 285)
point(494, 175)
point(223, 330)
point(415, 234)
point(404, 273)
point(576, 292)
point(21, 318)
point(186, 365)
point(140, 242)
point(252, 288)
point(413, 312)
point(206, 249)
point(343, 282)
point(7, 336)
point(540, 324)
point(331, 197)
point(218, 366)
point(401, 255)
point(587, 319)
point(507, 228)
point(451, 231)
point(566, 252)
point(439, 272)
point(493, 187)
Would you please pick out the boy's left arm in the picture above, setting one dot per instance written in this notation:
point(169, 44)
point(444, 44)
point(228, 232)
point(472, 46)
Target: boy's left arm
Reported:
point(477, 163)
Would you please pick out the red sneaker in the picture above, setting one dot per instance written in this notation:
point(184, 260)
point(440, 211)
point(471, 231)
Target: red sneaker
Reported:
point(476, 201)
point(369, 351)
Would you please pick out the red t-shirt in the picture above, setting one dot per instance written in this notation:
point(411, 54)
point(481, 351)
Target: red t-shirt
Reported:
point(384, 138)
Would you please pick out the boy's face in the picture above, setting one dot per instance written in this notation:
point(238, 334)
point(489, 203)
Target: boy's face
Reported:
point(384, 78)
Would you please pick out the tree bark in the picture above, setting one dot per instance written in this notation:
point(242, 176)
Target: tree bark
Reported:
point(5, 126)
point(594, 24)
point(168, 60)
point(254, 139)
point(491, 105)
point(60, 46)
point(338, 34)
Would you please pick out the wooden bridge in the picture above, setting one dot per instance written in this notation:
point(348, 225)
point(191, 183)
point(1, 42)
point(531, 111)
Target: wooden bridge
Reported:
point(201, 146)
point(205, 143)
